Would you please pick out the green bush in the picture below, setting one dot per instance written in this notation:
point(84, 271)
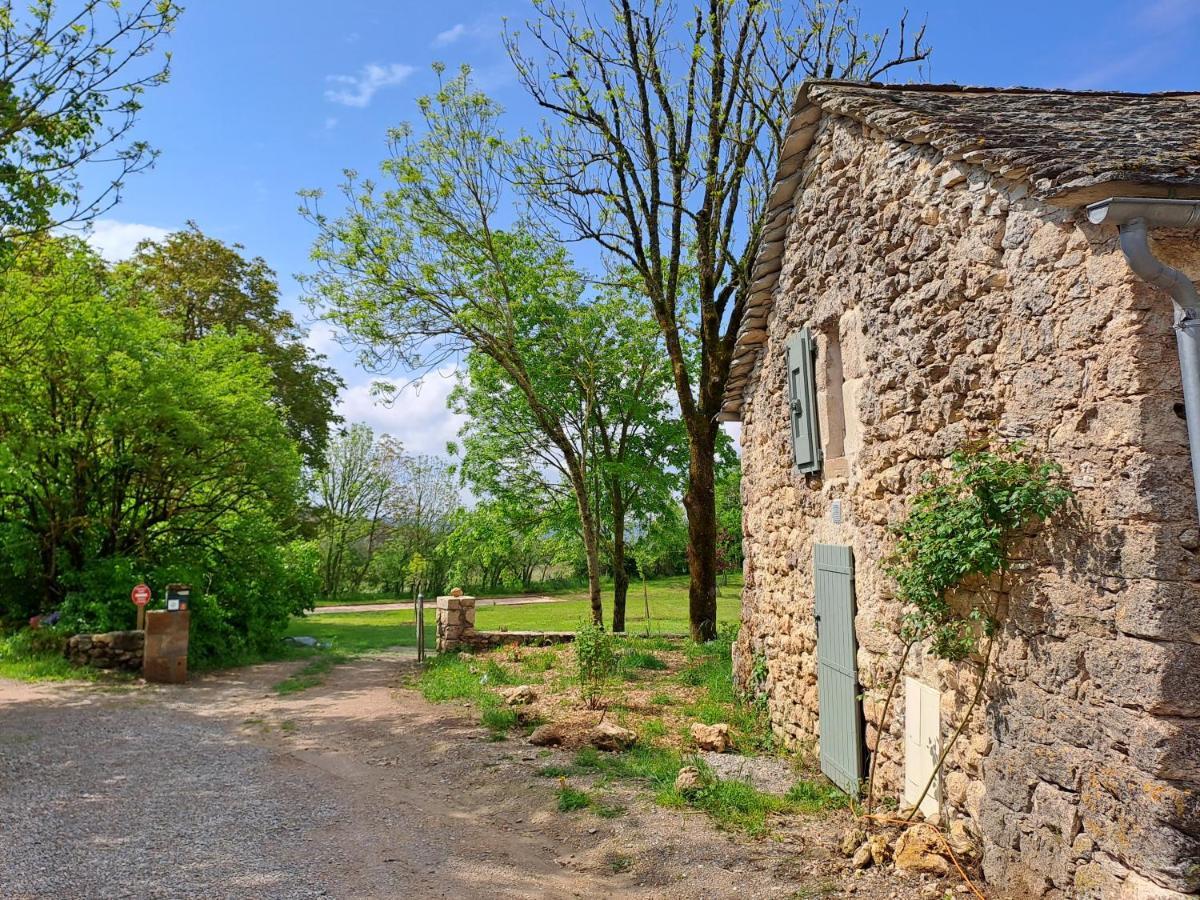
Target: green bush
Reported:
point(595, 660)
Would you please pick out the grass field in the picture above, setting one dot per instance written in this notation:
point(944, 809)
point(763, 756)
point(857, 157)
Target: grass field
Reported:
point(367, 631)
point(668, 599)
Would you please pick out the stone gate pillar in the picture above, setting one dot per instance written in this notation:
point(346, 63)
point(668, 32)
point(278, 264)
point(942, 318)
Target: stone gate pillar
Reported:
point(455, 621)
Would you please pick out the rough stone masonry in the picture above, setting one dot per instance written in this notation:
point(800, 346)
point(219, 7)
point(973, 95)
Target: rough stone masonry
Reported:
point(937, 248)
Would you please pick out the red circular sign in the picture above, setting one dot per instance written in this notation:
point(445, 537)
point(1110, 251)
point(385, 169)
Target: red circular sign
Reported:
point(140, 595)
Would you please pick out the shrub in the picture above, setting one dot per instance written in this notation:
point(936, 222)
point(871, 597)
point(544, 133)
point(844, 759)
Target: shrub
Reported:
point(595, 660)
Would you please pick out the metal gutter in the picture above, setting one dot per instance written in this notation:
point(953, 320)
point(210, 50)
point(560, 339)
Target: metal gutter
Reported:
point(1134, 216)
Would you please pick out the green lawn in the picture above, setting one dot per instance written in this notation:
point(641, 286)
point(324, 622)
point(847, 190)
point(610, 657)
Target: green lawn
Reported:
point(364, 632)
point(367, 631)
point(668, 609)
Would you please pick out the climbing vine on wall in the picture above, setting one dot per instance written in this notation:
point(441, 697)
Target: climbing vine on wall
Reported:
point(960, 526)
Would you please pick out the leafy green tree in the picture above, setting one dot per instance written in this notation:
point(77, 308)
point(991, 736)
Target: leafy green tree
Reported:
point(127, 453)
point(664, 137)
point(479, 547)
point(601, 364)
point(71, 84)
point(418, 517)
point(203, 284)
point(354, 488)
point(729, 517)
point(422, 271)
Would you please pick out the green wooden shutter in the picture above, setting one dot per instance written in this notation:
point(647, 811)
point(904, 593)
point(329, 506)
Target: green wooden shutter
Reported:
point(840, 714)
point(802, 400)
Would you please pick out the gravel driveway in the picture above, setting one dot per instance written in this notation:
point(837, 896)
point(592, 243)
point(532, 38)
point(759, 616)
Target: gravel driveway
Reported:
point(357, 788)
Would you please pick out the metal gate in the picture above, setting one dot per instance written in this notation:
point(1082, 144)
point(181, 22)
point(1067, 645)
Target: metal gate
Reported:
point(837, 676)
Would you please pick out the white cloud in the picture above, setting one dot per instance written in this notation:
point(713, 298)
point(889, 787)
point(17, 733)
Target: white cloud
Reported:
point(322, 338)
point(357, 90)
point(416, 416)
point(117, 240)
point(480, 30)
point(450, 35)
point(331, 123)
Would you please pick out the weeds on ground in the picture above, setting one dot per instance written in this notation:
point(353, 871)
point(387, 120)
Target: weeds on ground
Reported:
point(571, 799)
point(542, 661)
point(619, 862)
point(450, 676)
point(733, 805)
point(311, 675)
point(656, 759)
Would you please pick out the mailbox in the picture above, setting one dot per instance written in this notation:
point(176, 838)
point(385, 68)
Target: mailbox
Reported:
point(178, 596)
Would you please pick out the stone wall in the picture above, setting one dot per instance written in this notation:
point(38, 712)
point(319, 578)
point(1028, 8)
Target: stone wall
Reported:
point(111, 650)
point(456, 630)
point(965, 310)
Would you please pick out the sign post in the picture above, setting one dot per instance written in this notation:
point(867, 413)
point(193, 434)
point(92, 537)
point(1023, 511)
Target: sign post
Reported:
point(140, 595)
point(420, 627)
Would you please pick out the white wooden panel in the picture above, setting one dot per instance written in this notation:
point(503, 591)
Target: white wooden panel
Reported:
point(922, 743)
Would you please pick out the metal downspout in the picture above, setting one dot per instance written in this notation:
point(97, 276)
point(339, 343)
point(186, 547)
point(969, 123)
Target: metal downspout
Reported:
point(1133, 216)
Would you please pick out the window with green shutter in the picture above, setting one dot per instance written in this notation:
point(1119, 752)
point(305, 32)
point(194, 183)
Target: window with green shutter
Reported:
point(802, 401)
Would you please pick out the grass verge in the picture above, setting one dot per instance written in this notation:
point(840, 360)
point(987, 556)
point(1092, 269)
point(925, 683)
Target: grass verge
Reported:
point(37, 655)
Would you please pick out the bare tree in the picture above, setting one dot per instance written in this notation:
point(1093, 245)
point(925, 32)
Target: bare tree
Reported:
point(664, 134)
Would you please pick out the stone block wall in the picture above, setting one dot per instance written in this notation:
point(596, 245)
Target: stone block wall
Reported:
point(112, 650)
point(966, 310)
point(456, 630)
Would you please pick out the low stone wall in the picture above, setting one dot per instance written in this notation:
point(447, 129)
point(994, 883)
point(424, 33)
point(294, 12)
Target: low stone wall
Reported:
point(111, 650)
point(456, 630)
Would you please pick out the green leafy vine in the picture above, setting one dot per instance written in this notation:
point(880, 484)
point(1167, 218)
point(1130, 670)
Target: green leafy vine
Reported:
point(959, 526)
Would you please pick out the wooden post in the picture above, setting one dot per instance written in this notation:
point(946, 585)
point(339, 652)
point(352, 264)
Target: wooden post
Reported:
point(141, 618)
point(420, 627)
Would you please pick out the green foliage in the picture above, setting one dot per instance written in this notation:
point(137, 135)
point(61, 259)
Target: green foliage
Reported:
point(498, 719)
point(71, 82)
point(202, 284)
point(450, 676)
point(960, 525)
point(128, 454)
point(36, 654)
point(729, 518)
point(595, 660)
point(633, 658)
point(542, 661)
point(571, 799)
point(816, 796)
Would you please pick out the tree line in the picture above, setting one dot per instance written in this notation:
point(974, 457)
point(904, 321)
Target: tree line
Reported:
point(162, 419)
point(661, 133)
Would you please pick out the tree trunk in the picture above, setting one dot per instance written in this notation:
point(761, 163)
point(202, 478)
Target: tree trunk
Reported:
point(700, 502)
point(591, 543)
point(620, 576)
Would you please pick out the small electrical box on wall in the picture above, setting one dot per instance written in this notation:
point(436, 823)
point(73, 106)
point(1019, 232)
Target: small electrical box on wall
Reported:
point(835, 512)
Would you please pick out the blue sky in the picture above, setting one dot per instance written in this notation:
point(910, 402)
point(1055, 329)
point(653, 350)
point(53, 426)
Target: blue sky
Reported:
point(268, 97)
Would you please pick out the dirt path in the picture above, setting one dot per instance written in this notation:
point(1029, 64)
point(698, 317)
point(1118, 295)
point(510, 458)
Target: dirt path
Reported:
point(354, 789)
point(390, 607)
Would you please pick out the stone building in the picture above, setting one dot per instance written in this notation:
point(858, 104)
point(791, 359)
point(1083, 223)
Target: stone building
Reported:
point(930, 276)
